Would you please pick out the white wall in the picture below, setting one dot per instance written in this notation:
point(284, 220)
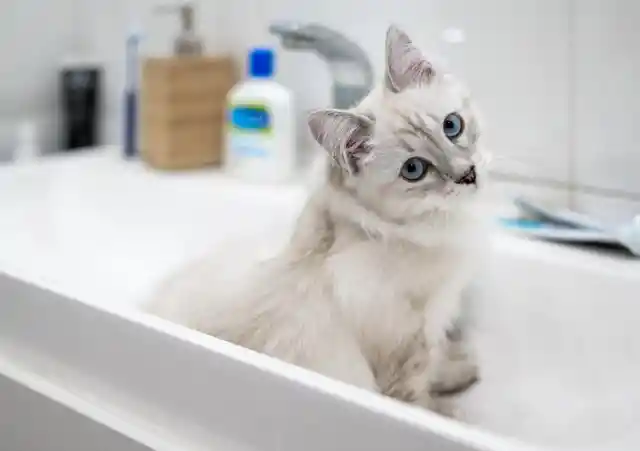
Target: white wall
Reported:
point(34, 37)
point(557, 79)
point(606, 103)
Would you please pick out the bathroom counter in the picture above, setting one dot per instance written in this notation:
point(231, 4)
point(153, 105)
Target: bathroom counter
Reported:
point(95, 228)
point(73, 223)
point(76, 222)
point(84, 237)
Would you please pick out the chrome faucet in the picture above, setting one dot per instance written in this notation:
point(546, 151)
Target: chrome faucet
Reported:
point(348, 63)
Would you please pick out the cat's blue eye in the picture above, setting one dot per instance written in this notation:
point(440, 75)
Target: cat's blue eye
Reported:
point(453, 126)
point(415, 169)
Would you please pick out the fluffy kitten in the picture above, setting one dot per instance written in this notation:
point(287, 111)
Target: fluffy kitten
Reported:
point(369, 284)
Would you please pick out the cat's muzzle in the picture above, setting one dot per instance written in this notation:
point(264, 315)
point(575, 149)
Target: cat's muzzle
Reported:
point(468, 178)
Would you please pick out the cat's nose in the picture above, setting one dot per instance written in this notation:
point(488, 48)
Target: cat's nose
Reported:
point(469, 177)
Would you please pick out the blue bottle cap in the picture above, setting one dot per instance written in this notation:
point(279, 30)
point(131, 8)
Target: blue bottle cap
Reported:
point(261, 63)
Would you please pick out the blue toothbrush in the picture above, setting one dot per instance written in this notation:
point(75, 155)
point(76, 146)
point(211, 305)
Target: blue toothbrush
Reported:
point(131, 95)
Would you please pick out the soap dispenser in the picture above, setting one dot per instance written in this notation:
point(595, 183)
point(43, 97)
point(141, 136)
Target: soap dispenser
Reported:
point(187, 43)
point(183, 100)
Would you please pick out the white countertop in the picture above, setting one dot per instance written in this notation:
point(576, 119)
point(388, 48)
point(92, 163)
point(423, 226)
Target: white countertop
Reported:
point(99, 228)
point(103, 230)
point(81, 224)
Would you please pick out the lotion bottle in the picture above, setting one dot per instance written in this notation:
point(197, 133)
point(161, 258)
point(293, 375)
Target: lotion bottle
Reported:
point(260, 129)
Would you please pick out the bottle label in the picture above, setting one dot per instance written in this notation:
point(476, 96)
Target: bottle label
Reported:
point(250, 125)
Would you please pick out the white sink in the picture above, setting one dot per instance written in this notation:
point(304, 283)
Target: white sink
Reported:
point(84, 239)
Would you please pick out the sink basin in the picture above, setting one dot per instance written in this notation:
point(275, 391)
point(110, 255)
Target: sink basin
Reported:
point(85, 239)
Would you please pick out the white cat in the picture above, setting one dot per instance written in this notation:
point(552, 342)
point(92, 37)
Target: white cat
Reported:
point(369, 285)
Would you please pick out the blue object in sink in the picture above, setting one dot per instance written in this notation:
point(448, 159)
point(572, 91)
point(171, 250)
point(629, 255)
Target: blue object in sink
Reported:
point(568, 226)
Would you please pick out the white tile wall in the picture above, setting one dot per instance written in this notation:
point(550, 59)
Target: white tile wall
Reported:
point(556, 78)
point(34, 37)
point(607, 94)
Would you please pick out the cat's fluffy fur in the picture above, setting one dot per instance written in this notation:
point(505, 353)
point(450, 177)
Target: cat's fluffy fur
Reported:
point(369, 285)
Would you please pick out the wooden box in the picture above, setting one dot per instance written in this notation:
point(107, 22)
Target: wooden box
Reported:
point(183, 103)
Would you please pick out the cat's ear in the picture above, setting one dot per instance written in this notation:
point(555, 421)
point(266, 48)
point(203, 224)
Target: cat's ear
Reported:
point(345, 135)
point(406, 65)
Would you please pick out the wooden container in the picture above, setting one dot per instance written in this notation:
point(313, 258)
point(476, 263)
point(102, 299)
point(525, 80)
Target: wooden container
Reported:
point(183, 103)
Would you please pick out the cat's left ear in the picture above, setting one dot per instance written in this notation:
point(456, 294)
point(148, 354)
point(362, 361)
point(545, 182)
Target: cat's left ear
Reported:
point(406, 64)
point(343, 134)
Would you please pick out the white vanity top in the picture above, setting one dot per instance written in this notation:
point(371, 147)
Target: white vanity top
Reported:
point(96, 227)
point(103, 230)
point(81, 224)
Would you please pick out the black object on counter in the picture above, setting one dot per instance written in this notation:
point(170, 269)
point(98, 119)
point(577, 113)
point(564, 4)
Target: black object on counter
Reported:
point(80, 102)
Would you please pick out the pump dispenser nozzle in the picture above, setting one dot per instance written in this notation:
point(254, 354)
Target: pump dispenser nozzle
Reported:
point(187, 43)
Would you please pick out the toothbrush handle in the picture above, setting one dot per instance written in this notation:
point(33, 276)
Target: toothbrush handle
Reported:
point(130, 125)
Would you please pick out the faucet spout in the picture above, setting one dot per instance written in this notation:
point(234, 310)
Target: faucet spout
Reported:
point(348, 63)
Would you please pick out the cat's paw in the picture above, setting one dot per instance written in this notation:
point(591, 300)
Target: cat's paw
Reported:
point(455, 376)
point(445, 406)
